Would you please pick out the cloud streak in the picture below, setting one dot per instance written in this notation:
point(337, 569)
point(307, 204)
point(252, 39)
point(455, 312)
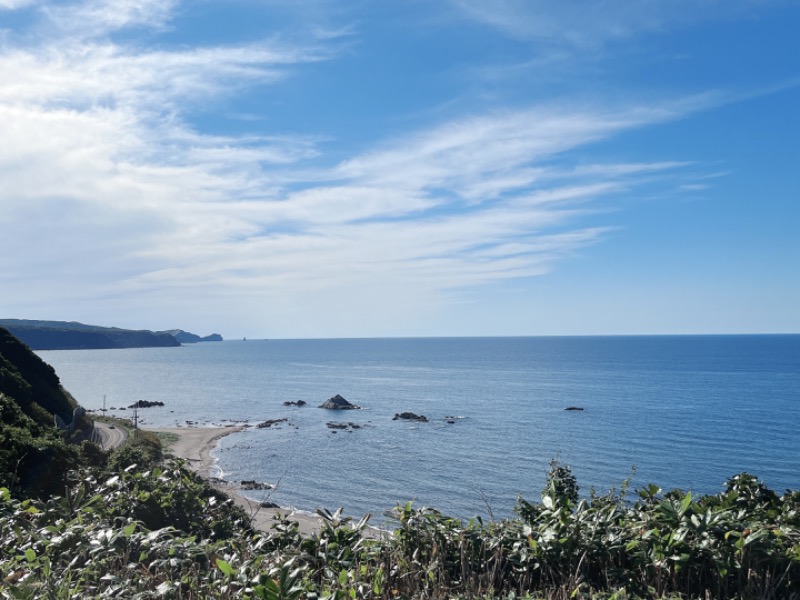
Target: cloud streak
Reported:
point(586, 25)
point(125, 201)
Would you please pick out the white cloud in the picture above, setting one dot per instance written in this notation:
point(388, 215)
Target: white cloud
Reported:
point(587, 24)
point(85, 75)
point(95, 18)
point(109, 195)
point(15, 4)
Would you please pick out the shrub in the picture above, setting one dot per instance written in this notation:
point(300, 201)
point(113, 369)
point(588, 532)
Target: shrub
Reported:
point(143, 449)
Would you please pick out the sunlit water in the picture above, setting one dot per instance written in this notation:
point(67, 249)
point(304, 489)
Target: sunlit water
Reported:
point(687, 411)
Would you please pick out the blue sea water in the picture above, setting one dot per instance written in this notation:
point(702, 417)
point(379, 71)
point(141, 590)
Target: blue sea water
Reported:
point(687, 411)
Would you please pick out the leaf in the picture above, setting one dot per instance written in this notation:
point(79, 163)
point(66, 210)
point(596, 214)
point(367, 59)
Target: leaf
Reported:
point(687, 501)
point(164, 588)
point(548, 502)
point(225, 567)
point(30, 555)
point(755, 536)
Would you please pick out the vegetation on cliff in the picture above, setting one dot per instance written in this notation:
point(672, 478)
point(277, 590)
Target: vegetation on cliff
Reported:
point(34, 456)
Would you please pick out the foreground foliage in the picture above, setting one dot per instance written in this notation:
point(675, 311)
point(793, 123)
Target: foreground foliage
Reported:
point(164, 533)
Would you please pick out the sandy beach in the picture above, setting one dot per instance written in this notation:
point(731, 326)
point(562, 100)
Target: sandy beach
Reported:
point(194, 444)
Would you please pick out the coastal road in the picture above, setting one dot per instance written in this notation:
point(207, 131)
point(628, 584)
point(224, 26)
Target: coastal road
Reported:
point(109, 436)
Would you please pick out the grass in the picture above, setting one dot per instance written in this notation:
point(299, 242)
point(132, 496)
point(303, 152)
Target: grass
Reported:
point(167, 439)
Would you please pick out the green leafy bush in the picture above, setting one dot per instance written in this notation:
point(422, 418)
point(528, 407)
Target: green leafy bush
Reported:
point(34, 460)
point(162, 532)
point(142, 449)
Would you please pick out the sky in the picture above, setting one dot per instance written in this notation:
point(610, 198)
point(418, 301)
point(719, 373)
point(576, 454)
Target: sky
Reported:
point(314, 169)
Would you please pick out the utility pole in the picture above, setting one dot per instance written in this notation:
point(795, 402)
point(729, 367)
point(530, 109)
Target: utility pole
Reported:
point(104, 405)
point(135, 421)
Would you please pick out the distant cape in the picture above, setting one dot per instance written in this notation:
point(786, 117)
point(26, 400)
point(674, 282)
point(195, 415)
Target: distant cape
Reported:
point(70, 335)
point(184, 337)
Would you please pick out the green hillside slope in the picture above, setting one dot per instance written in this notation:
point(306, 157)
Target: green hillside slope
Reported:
point(34, 456)
point(57, 335)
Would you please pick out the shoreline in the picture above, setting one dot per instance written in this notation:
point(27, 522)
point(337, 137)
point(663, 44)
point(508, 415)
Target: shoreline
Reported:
point(195, 444)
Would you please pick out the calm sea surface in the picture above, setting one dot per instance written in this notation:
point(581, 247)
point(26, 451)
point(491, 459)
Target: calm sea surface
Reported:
point(686, 411)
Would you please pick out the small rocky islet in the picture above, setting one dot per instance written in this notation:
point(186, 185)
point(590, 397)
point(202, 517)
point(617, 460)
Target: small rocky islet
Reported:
point(338, 403)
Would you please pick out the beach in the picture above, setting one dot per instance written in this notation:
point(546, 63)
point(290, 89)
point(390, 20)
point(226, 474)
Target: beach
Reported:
point(194, 445)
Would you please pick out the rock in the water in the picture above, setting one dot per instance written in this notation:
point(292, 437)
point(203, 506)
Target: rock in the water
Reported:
point(270, 422)
point(146, 404)
point(410, 416)
point(573, 408)
point(268, 504)
point(343, 426)
point(251, 484)
point(338, 403)
point(295, 403)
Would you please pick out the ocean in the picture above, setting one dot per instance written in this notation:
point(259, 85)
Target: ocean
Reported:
point(680, 411)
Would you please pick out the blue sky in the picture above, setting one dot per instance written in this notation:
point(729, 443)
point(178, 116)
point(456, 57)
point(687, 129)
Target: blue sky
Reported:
point(330, 169)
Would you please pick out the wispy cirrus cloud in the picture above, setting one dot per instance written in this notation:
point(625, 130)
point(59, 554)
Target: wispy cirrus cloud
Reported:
point(124, 201)
point(95, 18)
point(587, 24)
point(422, 216)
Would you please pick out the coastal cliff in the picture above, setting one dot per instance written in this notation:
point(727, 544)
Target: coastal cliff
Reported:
point(70, 335)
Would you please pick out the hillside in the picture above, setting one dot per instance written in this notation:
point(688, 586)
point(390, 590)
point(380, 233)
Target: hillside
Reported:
point(31, 382)
point(34, 457)
point(69, 335)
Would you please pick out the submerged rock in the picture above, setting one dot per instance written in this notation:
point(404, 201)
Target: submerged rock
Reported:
point(270, 422)
point(343, 426)
point(338, 403)
point(295, 403)
point(573, 408)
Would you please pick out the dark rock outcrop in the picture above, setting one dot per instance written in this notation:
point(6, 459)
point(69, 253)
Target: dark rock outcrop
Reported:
point(270, 422)
point(410, 416)
point(146, 404)
point(251, 484)
point(338, 403)
point(295, 403)
point(573, 408)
